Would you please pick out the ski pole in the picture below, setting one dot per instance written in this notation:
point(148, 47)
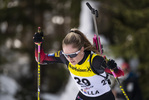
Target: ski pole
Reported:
point(99, 46)
point(116, 78)
point(38, 72)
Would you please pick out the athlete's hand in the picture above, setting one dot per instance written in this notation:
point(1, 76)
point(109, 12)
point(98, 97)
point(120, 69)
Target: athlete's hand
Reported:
point(38, 37)
point(112, 65)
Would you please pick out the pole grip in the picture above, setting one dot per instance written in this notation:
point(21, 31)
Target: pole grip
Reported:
point(89, 6)
point(92, 9)
point(39, 29)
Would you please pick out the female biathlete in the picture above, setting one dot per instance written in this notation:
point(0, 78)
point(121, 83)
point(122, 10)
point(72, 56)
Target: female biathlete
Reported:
point(87, 68)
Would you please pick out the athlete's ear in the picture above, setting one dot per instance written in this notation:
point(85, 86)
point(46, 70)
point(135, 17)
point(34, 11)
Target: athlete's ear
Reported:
point(82, 49)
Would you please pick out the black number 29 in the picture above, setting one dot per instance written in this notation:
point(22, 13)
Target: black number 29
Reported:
point(83, 81)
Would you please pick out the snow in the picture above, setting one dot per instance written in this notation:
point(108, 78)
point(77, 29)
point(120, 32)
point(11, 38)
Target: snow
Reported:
point(8, 88)
point(6, 97)
point(48, 96)
point(70, 92)
point(86, 19)
point(8, 85)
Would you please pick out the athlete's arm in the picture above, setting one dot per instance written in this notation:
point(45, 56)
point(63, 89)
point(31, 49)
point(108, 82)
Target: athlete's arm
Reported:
point(57, 57)
point(99, 65)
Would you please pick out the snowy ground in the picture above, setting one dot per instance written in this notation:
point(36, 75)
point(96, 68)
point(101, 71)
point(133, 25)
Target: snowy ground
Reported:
point(8, 88)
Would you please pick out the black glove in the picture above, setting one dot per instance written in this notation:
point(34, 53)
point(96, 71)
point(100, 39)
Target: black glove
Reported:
point(112, 65)
point(38, 37)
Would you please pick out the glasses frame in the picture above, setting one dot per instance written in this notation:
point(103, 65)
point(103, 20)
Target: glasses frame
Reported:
point(72, 55)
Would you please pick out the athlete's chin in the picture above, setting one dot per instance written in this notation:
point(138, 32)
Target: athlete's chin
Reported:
point(73, 62)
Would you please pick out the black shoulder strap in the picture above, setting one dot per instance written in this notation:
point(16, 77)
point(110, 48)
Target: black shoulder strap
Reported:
point(95, 70)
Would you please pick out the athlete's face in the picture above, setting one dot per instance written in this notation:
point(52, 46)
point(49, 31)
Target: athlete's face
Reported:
point(73, 55)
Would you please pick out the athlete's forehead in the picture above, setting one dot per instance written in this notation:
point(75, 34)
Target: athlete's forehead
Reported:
point(68, 49)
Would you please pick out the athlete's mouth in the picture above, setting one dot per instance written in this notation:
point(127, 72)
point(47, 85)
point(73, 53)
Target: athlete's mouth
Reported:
point(72, 61)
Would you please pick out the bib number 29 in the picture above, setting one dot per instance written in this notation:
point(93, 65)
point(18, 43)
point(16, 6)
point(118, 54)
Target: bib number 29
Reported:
point(82, 82)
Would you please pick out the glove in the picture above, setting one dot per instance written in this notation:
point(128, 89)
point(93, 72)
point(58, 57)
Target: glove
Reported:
point(38, 37)
point(112, 65)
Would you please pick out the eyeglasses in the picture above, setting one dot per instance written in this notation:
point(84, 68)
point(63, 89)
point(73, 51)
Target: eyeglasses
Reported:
point(72, 55)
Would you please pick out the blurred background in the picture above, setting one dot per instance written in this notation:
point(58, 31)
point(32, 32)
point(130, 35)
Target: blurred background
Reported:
point(122, 24)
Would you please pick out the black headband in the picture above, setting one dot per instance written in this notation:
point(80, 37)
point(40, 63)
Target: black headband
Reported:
point(73, 31)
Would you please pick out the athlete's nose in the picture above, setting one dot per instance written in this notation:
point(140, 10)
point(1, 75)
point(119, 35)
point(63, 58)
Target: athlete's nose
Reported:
point(69, 58)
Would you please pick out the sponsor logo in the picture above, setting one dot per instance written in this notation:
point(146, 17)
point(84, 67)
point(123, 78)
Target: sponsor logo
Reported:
point(90, 92)
point(88, 69)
